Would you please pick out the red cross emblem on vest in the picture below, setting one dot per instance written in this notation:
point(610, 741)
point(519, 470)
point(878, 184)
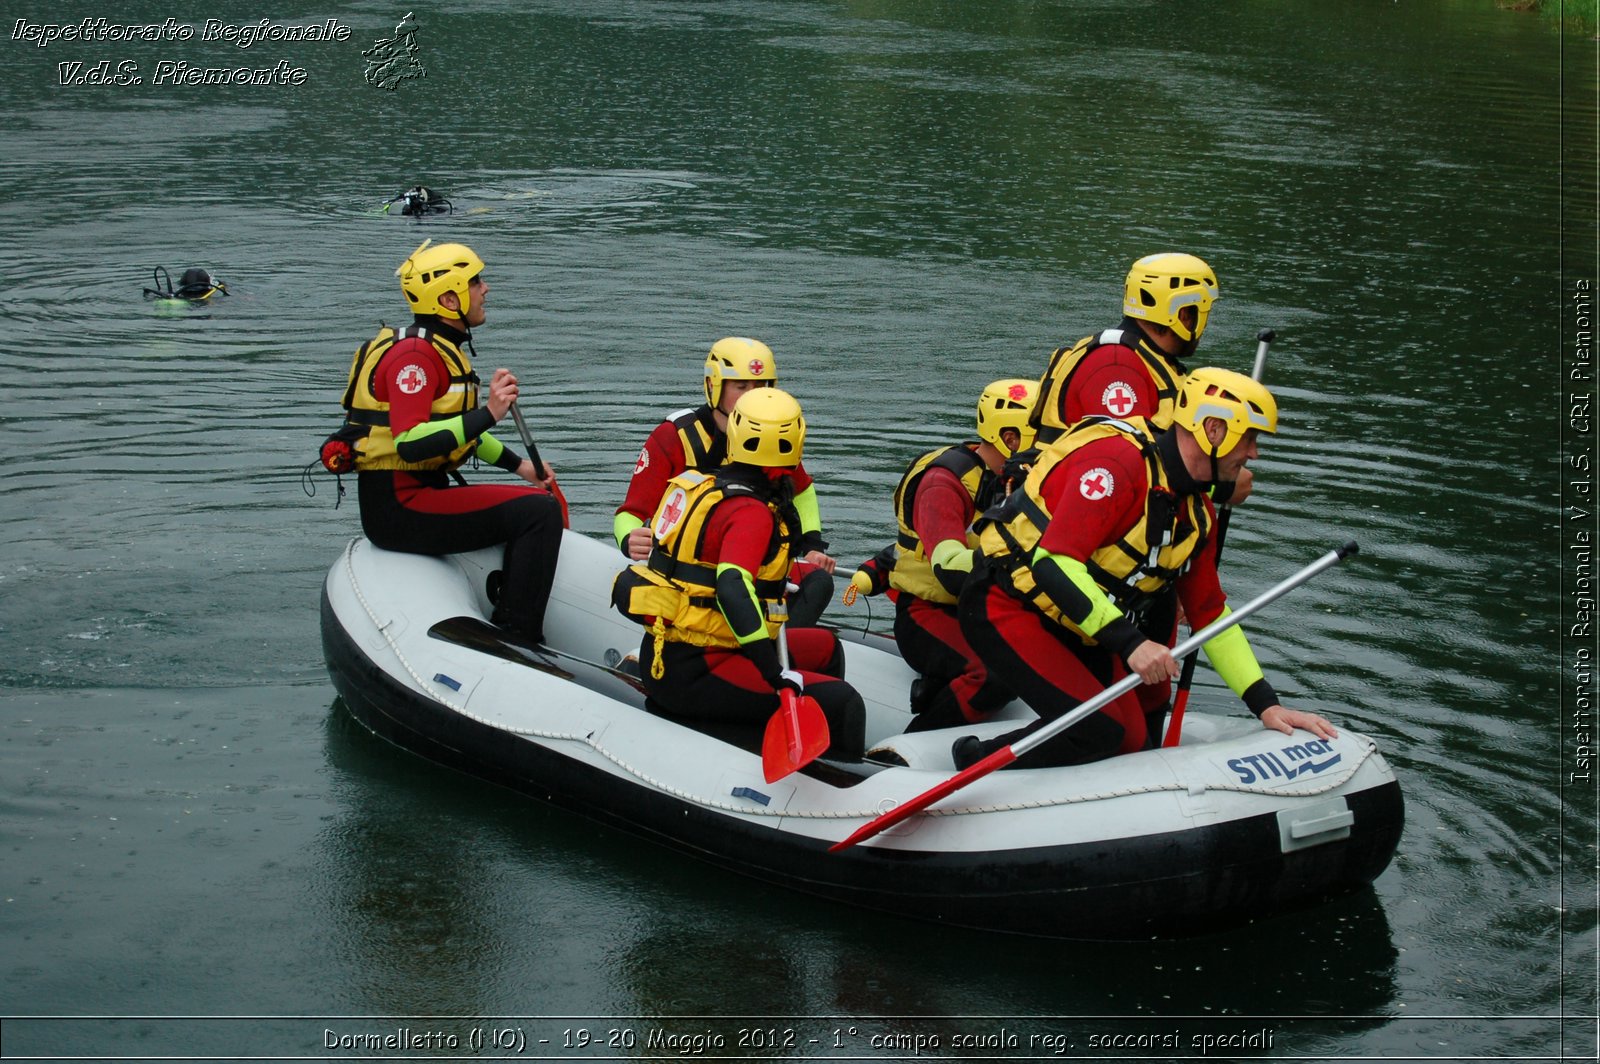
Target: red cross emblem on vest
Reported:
point(671, 513)
point(412, 379)
point(1096, 484)
point(1119, 399)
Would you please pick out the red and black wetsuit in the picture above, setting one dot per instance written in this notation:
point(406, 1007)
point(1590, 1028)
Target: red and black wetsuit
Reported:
point(1116, 373)
point(954, 685)
point(690, 439)
point(1095, 495)
point(735, 687)
point(420, 511)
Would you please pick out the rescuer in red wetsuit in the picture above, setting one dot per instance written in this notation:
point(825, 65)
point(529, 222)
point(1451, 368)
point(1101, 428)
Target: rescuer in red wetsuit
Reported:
point(1113, 513)
point(1135, 370)
point(696, 439)
point(938, 498)
point(412, 399)
point(711, 592)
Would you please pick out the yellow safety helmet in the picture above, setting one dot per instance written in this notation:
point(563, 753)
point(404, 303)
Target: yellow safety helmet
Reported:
point(766, 429)
point(434, 269)
point(1242, 402)
point(1159, 286)
point(737, 358)
point(1006, 404)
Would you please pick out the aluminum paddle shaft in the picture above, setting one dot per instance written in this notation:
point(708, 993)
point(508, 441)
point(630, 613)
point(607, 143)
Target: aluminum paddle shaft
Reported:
point(1264, 340)
point(1004, 756)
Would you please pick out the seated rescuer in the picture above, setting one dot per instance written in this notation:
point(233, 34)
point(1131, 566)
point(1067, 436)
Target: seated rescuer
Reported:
point(1113, 513)
point(711, 594)
point(412, 409)
point(1135, 370)
point(695, 439)
point(939, 496)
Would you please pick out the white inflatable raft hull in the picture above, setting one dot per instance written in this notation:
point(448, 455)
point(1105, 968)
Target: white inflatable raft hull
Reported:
point(1235, 823)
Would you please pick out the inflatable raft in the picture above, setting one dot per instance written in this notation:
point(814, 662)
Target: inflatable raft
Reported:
point(1235, 823)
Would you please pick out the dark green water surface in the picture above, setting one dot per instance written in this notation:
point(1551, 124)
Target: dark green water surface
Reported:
point(907, 200)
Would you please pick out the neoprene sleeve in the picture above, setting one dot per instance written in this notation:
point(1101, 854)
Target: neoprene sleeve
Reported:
point(805, 504)
point(1230, 654)
point(952, 564)
point(621, 525)
point(430, 439)
point(1069, 585)
point(736, 598)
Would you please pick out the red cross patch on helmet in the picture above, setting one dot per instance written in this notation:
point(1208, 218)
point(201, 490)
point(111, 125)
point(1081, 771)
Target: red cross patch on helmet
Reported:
point(756, 367)
point(1097, 484)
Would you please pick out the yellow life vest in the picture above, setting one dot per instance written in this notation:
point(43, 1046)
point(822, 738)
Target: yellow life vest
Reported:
point(704, 445)
point(674, 593)
point(1046, 418)
point(705, 448)
point(1153, 553)
point(375, 448)
point(913, 570)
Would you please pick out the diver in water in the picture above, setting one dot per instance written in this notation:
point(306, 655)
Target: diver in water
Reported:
point(419, 200)
point(195, 286)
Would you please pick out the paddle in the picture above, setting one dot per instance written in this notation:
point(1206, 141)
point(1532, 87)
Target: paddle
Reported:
point(1180, 700)
point(538, 464)
point(1007, 754)
point(1264, 339)
point(797, 733)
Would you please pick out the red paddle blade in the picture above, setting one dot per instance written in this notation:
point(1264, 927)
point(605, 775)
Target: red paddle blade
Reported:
point(796, 735)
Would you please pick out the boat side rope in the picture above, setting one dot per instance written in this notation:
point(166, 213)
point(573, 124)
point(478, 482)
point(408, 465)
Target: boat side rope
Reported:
point(438, 694)
point(1368, 749)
